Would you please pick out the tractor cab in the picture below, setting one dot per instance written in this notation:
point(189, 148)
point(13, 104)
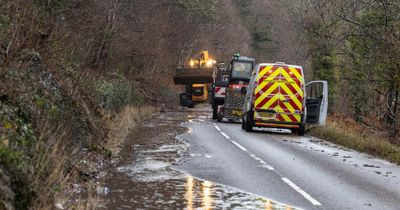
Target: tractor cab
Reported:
point(241, 69)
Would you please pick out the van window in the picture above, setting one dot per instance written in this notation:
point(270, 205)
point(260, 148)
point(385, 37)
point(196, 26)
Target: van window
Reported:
point(242, 70)
point(315, 91)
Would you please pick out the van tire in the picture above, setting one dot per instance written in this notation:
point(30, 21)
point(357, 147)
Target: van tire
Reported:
point(248, 125)
point(301, 130)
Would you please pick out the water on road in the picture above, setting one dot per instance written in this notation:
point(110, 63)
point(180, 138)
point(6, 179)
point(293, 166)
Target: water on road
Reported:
point(144, 177)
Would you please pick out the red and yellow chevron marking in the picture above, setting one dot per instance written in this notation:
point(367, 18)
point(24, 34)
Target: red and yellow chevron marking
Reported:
point(280, 88)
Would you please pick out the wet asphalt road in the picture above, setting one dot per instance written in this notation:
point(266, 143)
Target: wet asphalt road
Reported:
point(300, 171)
point(143, 177)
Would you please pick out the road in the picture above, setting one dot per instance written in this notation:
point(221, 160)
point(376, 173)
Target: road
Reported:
point(300, 171)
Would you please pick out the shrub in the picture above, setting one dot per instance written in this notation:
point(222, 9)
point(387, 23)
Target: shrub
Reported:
point(115, 93)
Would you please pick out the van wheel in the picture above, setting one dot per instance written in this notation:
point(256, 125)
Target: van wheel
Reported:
point(248, 125)
point(243, 123)
point(301, 130)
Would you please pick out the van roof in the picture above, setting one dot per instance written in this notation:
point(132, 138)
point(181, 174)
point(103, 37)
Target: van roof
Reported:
point(279, 63)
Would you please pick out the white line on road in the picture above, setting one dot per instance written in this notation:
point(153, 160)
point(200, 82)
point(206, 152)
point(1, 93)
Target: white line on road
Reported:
point(262, 162)
point(224, 134)
point(302, 192)
point(240, 146)
point(258, 159)
point(270, 167)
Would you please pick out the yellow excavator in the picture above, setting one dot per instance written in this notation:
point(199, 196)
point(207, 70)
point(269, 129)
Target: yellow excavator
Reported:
point(195, 75)
point(196, 71)
point(204, 61)
point(200, 92)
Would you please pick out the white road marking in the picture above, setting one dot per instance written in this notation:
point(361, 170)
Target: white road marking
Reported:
point(224, 134)
point(240, 146)
point(302, 192)
point(270, 168)
point(262, 162)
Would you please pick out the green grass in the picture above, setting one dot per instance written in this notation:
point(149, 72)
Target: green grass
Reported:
point(362, 142)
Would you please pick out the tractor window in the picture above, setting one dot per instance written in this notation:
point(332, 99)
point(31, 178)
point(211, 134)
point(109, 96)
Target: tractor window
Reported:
point(241, 70)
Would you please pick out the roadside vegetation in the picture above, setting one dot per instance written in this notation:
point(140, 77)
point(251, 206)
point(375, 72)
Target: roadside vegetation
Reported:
point(348, 133)
point(355, 46)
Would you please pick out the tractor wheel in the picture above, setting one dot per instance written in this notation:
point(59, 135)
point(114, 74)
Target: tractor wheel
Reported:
point(215, 113)
point(220, 117)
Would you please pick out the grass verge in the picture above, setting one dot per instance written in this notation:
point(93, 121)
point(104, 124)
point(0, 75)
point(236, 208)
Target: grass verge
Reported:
point(121, 124)
point(350, 135)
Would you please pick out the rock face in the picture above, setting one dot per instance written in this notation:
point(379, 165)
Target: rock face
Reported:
point(7, 196)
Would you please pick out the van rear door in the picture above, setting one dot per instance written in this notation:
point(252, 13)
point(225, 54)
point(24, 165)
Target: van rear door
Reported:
point(291, 94)
point(279, 92)
point(316, 103)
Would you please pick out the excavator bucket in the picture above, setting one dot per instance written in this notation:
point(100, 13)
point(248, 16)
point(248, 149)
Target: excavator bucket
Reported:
point(198, 71)
point(187, 75)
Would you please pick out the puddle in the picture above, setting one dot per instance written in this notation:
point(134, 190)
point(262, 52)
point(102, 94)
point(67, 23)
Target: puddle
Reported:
point(144, 179)
point(154, 185)
point(186, 192)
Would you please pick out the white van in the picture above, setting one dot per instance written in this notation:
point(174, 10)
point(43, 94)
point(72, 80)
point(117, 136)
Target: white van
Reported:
point(277, 97)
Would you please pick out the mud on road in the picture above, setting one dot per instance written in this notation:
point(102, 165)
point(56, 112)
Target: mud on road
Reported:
point(144, 176)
